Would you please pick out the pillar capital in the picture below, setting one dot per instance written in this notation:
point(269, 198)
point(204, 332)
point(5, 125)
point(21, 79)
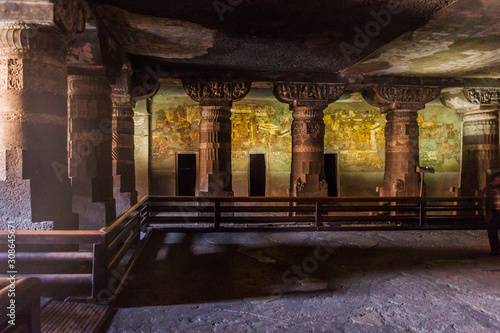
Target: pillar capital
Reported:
point(68, 17)
point(483, 96)
point(312, 95)
point(389, 98)
point(216, 92)
point(471, 100)
point(307, 101)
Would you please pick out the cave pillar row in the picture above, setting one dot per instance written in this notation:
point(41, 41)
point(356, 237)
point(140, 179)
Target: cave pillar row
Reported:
point(124, 188)
point(216, 99)
point(307, 102)
point(34, 184)
point(401, 105)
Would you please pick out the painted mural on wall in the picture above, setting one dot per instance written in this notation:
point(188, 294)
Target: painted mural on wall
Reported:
point(358, 136)
point(266, 127)
point(177, 129)
point(356, 133)
point(439, 139)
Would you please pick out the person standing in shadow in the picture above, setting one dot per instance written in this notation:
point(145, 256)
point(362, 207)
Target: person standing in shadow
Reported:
point(491, 205)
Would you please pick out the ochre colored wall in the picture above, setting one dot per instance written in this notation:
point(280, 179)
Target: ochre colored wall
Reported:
point(354, 131)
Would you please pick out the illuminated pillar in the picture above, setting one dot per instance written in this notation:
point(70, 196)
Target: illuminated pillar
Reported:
point(307, 101)
point(216, 99)
point(35, 190)
point(400, 104)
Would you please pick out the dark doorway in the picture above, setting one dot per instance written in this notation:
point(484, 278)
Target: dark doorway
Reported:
point(186, 174)
point(257, 175)
point(331, 174)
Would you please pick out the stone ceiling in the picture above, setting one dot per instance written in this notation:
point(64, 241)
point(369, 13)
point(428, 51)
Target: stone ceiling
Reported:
point(315, 40)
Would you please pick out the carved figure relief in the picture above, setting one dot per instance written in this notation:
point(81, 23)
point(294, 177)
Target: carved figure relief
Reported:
point(224, 90)
point(482, 96)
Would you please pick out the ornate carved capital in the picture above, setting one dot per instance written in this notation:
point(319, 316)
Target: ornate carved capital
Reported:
point(207, 92)
point(482, 96)
point(307, 94)
point(68, 16)
point(389, 98)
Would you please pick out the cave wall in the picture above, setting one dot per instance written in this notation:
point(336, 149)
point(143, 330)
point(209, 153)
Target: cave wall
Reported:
point(261, 124)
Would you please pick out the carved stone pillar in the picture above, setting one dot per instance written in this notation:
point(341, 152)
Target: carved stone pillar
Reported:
point(307, 101)
point(216, 99)
point(89, 105)
point(34, 184)
point(480, 144)
point(400, 104)
point(123, 147)
point(90, 126)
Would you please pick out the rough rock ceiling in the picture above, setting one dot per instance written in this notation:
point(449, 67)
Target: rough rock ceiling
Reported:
point(421, 38)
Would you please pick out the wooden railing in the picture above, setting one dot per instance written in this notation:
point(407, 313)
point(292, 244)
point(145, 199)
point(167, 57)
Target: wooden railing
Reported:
point(313, 214)
point(101, 260)
point(97, 266)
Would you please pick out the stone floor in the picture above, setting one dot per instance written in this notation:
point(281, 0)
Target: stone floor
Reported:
point(432, 281)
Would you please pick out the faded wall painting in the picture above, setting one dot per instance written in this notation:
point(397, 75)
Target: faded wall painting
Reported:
point(354, 131)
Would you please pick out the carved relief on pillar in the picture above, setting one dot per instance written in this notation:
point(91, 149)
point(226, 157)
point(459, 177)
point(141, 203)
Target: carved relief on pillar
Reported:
point(33, 122)
point(400, 97)
point(215, 98)
point(401, 104)
point(308, 94)
point(307, 101)
point(480, 153)
point(203, 91)
point(482, 96)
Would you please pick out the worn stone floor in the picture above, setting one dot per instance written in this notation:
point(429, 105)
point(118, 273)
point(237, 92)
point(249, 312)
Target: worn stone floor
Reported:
point(411, 281)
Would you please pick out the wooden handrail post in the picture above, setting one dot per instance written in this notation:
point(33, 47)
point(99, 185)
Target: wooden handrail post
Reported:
point(318, 220)
point(99, 269)
point(421, 212)
point(217, 214)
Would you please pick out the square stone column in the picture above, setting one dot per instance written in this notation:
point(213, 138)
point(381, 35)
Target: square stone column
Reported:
point(124, 189)
point(307, 101)
point(34, 184)
point(90, 109)
point(400, 104)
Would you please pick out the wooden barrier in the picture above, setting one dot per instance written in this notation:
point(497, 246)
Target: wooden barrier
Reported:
point(209, 214)
point(96, 269)
point(112, 252)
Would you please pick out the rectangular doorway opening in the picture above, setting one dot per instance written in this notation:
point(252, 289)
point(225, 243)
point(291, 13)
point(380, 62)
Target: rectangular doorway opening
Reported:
point(186, 174)
point(257, 175)
point(331, 174)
